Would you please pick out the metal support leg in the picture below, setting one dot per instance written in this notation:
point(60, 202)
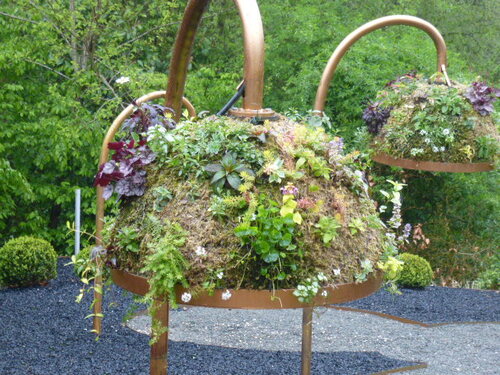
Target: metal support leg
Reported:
point(159, 350)
point(307, 315)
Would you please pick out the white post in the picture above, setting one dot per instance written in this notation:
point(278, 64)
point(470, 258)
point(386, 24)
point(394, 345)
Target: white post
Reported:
point(77, 220)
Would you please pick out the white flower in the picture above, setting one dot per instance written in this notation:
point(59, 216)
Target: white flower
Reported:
point(423, 132)
point(324, 293)
point(427, 140)
point(435, 148)
point(382, 208)
point(200, 251)
point(186, 297)
point(442, 149)
point(446, 131)
point(226, 295)
point(336, 271)
point(220, 275)
point(122, 80)
point(322, 277)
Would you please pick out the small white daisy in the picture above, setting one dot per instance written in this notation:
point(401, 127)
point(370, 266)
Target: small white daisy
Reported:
point(226, 295)
point(220, 275)
point(423, 132)
point(122, 80)
point(200, 251)
point(446, 131)
point(324, 293)
point(435, 148)
point(442, 149)
point(186, 297)
point(427, 140)
point(336, 271)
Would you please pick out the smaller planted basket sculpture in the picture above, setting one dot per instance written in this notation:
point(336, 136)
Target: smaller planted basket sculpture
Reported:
point(425, 124)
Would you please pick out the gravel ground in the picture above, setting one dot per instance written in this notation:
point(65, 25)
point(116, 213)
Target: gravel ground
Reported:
point(44, 332)
point(434, 305)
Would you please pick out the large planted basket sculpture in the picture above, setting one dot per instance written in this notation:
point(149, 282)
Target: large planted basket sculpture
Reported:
point(250, 211)
point(425, 124)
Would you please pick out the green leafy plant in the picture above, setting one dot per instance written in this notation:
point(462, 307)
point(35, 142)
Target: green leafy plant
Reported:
point(366, 268)
point(83, 265)
point(416, 272)
point(27, 261)
point(226, 173)
point(162, 196)
point(270, 235)
point(128, 239)
point(357, 225)
point(327, 228)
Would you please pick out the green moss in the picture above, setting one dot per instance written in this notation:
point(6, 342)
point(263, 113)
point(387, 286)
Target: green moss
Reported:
point(209, 216)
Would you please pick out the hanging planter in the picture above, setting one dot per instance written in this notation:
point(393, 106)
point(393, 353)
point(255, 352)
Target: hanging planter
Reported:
point(422, 123)
point(221, 212)
point(425, 124)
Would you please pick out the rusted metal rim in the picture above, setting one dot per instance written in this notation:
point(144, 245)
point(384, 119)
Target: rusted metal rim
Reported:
point(404, 320)
point(367, 28)
point(256, 299)
point(433, 166)
point(253, 36)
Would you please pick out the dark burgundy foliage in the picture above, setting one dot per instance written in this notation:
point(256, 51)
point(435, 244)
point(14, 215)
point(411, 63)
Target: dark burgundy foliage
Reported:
point(146, 116)
point(125, 169)
point(482, 97)
point(124, 173)
point(375, 117)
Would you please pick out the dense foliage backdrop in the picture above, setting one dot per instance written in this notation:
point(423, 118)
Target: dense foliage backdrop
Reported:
point(60, 59)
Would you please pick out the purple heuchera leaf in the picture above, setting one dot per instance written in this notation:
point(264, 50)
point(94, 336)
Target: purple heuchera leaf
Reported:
point(482, 97)
point(375, 117)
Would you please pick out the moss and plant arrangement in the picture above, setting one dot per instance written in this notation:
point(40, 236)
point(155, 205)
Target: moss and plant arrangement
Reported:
point(225, 204)
point(425, 119)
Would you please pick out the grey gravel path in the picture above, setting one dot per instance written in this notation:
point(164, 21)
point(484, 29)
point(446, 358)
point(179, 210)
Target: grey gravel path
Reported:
point(467, 349)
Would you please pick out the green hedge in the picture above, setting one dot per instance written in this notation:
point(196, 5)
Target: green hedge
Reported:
point(26, 261)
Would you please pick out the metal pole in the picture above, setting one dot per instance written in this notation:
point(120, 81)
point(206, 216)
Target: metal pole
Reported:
point(307, 315)
point(78, 197)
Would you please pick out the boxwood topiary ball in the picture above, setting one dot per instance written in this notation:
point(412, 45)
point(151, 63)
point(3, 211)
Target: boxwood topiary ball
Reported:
point(26, 261)
point(416, 272)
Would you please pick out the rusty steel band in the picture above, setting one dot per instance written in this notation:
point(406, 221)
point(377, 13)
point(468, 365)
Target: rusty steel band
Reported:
point(367, 28)
point(253, 36)
point(256, 299)
point(433, 166)
point(115, 126)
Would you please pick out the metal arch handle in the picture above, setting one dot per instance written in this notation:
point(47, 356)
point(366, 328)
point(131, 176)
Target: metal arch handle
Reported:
point(343, 47)
point(253, 36)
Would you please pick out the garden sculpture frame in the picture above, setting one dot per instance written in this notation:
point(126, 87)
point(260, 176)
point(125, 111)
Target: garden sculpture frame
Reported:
point(341, 50)
point(252, 107)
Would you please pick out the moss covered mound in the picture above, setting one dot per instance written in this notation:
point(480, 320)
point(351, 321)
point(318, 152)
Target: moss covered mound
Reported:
point(422, 119)
point(249, 206)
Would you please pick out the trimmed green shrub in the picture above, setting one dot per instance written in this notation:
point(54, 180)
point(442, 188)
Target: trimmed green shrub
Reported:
point(26, 261)
point(416, 272)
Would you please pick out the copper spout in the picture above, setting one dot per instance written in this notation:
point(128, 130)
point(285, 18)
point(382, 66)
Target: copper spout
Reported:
point(253, 36)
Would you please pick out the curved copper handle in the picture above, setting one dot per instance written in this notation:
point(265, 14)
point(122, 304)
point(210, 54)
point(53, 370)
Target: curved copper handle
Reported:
point(319, 104)
point(253, 35)
point(113, 129)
